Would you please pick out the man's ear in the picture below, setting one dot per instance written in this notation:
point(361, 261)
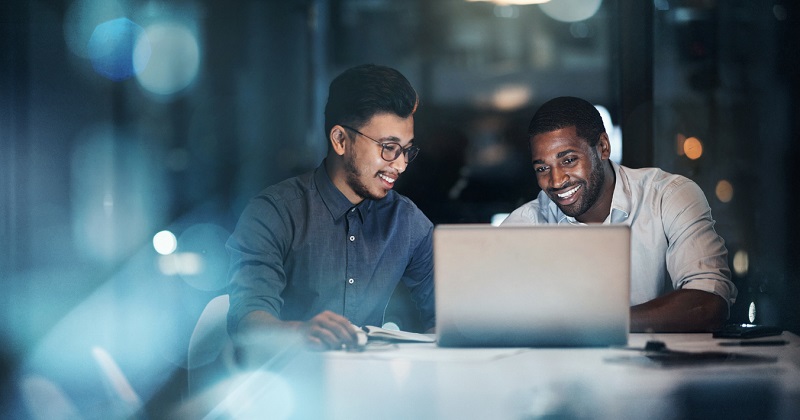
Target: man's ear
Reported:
point(604, 146)
point(337, 139)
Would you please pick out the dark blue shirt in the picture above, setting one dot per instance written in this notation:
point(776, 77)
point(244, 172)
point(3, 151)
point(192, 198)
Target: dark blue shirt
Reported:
point(301, 247)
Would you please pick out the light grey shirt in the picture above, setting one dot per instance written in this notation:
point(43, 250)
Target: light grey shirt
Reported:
point(673, 241)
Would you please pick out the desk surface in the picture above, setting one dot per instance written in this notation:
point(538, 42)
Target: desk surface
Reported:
point(424, 381)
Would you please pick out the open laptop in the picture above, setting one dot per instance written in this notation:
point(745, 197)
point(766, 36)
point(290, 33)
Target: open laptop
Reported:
point(532, 285)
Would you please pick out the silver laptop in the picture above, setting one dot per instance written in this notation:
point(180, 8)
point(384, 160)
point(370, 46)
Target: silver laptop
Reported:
point(532, 286)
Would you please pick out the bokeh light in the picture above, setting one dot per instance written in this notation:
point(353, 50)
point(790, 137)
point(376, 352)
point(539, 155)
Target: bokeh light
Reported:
point(693, 148)
point(614, 133)
point(741, 263)
point(724, 191)
point(181, 264)
point(165, 242)
point(174, 61)
point(511, 97)
point(111, 48)
point(571, 10)
point(391, 326)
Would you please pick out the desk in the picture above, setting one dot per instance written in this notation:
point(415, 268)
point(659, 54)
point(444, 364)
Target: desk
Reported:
point(422, 381)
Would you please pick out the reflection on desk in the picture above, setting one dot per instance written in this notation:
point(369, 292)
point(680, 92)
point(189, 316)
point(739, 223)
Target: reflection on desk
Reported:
point(423, 381)
point(679, 376)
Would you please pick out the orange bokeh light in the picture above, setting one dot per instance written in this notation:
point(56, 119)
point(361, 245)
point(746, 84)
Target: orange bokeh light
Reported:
point(724, 191)
point(693, 148)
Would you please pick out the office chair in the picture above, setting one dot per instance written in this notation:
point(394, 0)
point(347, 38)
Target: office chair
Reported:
point(211, 354)
point(284, 378)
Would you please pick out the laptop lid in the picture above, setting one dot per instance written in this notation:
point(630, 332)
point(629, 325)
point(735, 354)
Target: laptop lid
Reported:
point(532, 285)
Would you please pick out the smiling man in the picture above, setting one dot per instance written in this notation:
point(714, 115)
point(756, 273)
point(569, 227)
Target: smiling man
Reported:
point(317, 252)
point(680, 280)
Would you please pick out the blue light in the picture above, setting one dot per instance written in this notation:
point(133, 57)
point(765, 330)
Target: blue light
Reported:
point(175, 59)
point(111, 48)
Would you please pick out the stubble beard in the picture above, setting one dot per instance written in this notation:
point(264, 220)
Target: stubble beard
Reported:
point(593, 188)
point(353, 179)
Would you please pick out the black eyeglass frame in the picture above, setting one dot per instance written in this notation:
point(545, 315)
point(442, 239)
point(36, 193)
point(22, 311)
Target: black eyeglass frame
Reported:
point(409, 153)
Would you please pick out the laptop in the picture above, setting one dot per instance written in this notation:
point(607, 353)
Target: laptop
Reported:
point(532, 285)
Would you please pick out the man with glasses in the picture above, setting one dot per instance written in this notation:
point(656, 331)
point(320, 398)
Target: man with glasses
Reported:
point(323, 251)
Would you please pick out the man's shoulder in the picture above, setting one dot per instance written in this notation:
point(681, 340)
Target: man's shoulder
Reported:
point(402, 205)
point(653, 179)
point(656, 187)
point(289, 189)
point(396, 199)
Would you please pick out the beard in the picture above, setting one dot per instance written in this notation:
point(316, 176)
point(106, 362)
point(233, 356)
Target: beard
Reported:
point(354, 179)
point(592, 190)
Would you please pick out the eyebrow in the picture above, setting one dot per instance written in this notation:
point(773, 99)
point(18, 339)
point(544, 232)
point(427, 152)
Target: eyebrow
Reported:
point(394, 139)
point(559, 155)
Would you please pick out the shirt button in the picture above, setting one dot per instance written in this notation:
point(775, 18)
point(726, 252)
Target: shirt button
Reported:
point(351, 281)
point(352, 238)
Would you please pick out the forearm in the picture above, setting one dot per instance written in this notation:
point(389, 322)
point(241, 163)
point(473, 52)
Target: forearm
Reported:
point(260, 322)
point(684, 310)
point(261, 337)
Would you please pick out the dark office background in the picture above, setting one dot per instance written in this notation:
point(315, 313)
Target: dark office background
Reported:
point(99, 152)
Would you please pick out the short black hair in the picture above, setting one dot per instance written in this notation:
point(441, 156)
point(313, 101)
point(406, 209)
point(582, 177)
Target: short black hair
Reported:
point(362, 91)
point(568, 111)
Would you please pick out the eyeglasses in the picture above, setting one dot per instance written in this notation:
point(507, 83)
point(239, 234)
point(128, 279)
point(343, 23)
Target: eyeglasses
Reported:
point(391, 150)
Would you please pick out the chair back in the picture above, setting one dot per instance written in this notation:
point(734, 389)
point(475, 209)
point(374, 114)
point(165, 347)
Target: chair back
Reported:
point(211, 355)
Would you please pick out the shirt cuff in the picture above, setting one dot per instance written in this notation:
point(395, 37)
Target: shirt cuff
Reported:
point(723, 289)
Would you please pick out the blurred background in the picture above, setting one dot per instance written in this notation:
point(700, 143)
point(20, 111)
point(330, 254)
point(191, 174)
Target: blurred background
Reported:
point(133, 132)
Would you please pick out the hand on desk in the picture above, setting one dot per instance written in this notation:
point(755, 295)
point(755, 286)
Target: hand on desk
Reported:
point(325, 331)
point(329, 331)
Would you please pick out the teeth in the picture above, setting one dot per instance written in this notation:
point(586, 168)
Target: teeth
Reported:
point(568, 193)
point(387, 179)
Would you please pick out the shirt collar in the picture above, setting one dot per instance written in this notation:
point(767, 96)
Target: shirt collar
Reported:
point(620, 201)
point(338, 205)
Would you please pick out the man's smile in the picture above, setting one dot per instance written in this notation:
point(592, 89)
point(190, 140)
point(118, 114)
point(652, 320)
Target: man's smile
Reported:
point(390, 180)
point(569, 193)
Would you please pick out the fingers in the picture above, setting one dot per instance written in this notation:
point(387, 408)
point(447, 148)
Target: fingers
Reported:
point(329, 330)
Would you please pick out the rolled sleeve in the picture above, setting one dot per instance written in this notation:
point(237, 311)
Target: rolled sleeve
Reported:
point(696, 255)
point(257, 276)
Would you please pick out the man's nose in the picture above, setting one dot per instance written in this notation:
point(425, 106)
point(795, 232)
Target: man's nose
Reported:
point(558, 178)
point(400, 163)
